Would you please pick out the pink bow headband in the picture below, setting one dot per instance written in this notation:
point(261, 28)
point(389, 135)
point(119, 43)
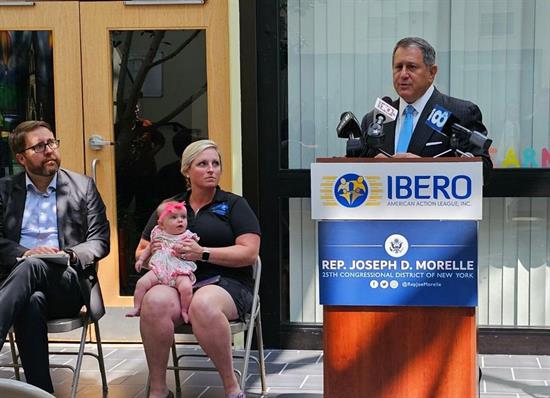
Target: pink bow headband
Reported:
point(170, 207)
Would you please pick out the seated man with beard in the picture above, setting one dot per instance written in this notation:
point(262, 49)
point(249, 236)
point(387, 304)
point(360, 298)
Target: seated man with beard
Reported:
point(43, 211)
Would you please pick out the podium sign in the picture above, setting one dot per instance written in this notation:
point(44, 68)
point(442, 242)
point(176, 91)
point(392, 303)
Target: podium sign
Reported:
point(397, 191)
point(398, 263)
point(398, 275)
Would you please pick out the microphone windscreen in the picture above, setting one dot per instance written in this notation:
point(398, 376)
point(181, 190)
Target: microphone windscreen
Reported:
point(387, 100)
point(347, 125)
point(441, 120)
point(385, 109)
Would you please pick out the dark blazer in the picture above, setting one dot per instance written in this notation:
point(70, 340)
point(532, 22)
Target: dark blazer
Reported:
point(426, 142)
point(81, 223)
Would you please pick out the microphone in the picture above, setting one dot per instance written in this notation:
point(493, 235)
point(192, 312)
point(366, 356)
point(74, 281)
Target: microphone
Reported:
point(383, 112)
point(348, 127)
point(444, 122)
point(441, 120)
point(476, 138)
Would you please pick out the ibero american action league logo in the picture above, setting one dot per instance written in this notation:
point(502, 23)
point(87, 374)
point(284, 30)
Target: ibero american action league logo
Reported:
point(351, 190)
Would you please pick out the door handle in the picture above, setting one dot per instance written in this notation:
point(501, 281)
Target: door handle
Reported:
point(94, 170)
point(97, 142)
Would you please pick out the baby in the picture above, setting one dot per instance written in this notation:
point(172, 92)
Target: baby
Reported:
point(170, 231)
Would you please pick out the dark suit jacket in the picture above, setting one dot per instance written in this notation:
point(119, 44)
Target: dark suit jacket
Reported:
point(426, 142)
point(81, 223)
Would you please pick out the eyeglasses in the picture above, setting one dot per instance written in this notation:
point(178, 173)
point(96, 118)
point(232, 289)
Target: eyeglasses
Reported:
point(41, 146)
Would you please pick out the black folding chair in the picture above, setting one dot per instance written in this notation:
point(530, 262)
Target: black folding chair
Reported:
point(82, 320)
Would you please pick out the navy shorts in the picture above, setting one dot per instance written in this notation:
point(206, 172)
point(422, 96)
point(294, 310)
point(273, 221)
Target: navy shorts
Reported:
point(240, 293)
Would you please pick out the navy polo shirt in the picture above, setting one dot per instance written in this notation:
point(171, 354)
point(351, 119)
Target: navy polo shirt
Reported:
point(217, 224)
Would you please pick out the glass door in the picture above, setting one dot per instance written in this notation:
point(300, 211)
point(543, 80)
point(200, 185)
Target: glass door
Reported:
point(154, 79)
point(40, 76)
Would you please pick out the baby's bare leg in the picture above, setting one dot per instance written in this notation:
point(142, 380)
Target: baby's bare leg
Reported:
point(185, 289)
point(144, 283)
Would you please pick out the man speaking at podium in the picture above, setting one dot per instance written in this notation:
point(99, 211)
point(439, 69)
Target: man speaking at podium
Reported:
point(410, 136)
point(414, 71)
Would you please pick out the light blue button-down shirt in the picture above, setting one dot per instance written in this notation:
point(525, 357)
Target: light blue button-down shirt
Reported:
point(39, 226)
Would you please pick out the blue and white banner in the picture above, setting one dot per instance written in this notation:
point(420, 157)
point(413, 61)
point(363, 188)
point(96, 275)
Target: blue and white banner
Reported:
point(398, 263)
point(397, 191)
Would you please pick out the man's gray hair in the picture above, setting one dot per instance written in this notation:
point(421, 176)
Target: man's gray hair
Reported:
point(428, 52)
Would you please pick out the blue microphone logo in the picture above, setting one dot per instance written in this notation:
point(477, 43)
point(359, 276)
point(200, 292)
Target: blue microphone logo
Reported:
point(437, 118)
point(351, 190)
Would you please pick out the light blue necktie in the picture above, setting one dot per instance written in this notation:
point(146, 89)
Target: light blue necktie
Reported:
point(406, 130)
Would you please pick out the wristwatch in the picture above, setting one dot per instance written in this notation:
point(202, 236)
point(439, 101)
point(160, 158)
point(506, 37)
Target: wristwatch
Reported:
point(205, 255)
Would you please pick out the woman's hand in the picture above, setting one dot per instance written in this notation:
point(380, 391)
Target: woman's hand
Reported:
point(147, 248)
point(189, 250)
point(244, 252)
point(155, 246)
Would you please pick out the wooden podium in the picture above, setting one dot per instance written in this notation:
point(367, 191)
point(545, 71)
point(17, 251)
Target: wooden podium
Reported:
point(394, 351)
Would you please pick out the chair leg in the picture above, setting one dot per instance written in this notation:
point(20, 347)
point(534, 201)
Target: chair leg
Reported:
point(147, 386)
point(100, 358)
point(176, 363)
point(260, 341)
point(14, 356)
point(248, 345)
point(79, 358)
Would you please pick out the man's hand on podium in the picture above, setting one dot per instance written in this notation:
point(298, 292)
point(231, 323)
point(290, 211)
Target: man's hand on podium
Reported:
point(405, 155)
point(399, 155)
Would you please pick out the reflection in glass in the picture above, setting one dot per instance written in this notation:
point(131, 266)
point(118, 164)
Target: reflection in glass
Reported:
point(159, 91)
point(321, 76)
point(26, 86)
